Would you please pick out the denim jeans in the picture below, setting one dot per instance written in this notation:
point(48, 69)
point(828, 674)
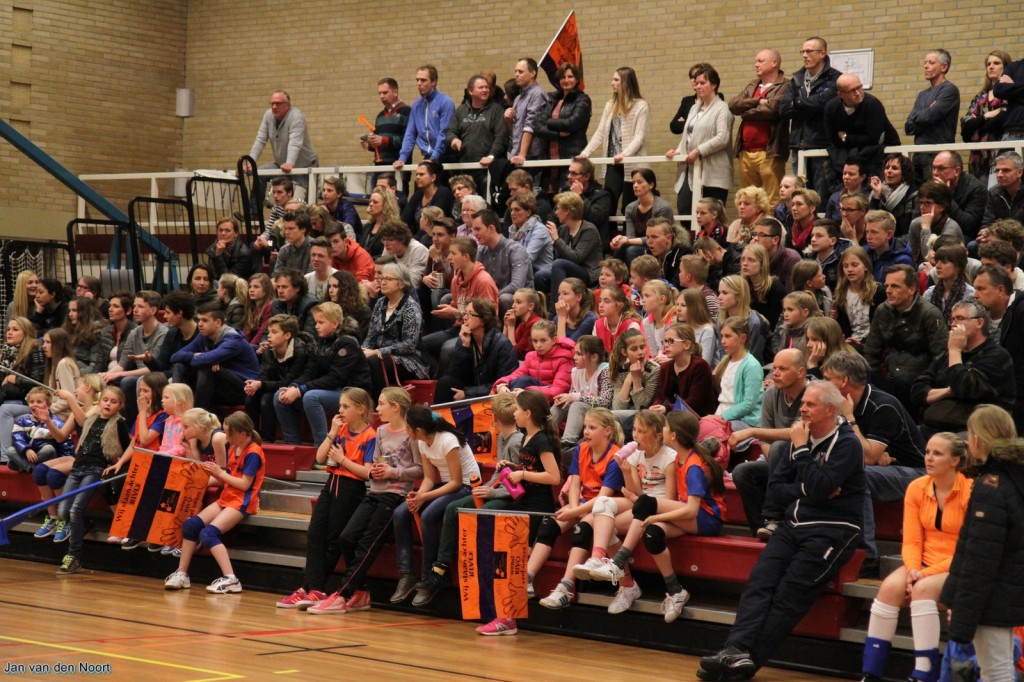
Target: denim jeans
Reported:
point(431, 515)
point(319, 406)
point(73, 508)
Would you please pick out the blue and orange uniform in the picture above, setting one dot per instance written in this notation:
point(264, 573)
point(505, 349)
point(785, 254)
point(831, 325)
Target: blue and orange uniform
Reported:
point(338, 500)
point(248, 461)
point(594, 475)
point(694, 478)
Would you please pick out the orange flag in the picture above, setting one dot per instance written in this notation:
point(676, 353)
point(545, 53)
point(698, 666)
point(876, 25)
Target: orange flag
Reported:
point(159, 494)
point(565, 48)
point(493, 552)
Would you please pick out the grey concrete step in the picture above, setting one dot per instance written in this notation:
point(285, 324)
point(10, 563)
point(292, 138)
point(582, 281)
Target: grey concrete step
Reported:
point(705, 609)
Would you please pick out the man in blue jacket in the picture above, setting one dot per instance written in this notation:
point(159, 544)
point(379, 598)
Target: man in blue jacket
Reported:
point(883, 246)
point(428, 120)
point(821, 486)
point(218, 361)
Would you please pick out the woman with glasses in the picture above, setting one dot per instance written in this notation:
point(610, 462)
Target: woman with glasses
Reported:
point(90, 287)
point(481, 356)
point(934, 199)
point(395, 329)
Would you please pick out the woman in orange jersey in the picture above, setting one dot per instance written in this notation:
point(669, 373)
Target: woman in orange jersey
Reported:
point(238, 499)
point(933, 512)
point(593, 472)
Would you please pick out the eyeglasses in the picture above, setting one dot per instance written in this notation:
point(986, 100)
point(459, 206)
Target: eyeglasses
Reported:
point(960, 318)
point(850, 91)
point(810, 51)
point(761, 235)
point(669, 342)
point(941, 169)
point(469, 314)
point(279, 104)
point(385, 278)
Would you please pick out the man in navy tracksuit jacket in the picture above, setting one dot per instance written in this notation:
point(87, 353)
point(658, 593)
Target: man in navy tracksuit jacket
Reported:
point(217, 361)
point(821, 486)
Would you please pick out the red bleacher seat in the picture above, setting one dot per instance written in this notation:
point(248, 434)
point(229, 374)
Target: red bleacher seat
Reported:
point(284, 461)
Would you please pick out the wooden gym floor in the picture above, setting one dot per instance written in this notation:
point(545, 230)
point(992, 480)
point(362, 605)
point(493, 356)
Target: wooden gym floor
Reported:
point(128, 627)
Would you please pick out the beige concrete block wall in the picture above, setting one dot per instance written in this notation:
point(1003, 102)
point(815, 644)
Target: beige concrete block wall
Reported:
point(93, 81)
point(329, 55)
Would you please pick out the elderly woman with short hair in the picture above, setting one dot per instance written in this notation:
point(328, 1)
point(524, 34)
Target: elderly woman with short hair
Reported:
point(396, 325)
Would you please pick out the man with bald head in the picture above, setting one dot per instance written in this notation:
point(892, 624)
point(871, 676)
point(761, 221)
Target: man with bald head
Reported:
point(856, 125)
point(762, 144)
point(780, 407)
point(970, 196)
point(284, 127)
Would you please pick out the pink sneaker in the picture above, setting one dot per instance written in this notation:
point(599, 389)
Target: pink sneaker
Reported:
point(292, 600)
point(329, 606)
point(499, 626)
point(312, 598)
point(360, 601)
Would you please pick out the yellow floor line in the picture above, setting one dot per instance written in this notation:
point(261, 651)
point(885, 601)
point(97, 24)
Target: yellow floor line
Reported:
point(219, 675)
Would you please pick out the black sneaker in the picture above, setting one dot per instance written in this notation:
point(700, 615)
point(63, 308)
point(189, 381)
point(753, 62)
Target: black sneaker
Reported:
point(69, 565)
point(405, 587)
point(765, 533)
point(430, 586)
point(869, 569)
point(729, 664)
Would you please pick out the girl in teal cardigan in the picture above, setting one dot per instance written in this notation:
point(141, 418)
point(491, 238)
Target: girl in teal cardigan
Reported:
point(739, 377)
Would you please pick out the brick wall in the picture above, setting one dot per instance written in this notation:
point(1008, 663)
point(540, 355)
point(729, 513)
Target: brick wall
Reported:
point(92, 82)
point(102, 75)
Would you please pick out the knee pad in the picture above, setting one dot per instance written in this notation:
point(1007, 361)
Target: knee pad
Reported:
point(605, 506)
point(210, 537)
point(548, 531)
point(192, 527)
point(583, 535)
point(55, 479)
point(644, 506)
point(39, 474)
point(654, 539)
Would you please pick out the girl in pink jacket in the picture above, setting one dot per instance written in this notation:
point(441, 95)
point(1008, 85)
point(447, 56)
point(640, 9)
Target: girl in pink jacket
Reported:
point(548, 367)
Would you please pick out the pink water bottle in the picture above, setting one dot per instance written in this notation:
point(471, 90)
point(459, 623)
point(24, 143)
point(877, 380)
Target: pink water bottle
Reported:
point(516, 490)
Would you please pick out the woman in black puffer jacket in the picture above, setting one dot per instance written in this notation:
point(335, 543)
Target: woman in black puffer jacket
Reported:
point(985, 588)
point(565, 124)
point(482, 356)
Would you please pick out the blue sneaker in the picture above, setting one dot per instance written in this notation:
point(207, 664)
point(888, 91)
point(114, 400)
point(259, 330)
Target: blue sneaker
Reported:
point(48, 527)
point(61, 531)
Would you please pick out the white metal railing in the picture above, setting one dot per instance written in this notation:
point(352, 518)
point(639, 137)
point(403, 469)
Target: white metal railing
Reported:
point(1016, 145)
point(317, 174)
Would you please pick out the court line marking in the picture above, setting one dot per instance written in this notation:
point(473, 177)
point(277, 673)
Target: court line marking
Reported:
point(163, 664)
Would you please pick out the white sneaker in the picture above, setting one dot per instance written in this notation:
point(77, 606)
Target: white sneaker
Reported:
point(225, 584)
point(608, 572)
point(673, 605)
point(582, 571)
point(177, 581)
point(624, 598)
point(560, 598)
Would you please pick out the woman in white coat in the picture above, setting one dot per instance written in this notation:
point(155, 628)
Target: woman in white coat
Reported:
point(621, 134)
point(708, 137)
